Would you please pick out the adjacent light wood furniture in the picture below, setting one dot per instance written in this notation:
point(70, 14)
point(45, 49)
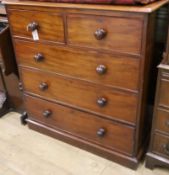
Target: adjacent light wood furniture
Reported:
point(85, 77)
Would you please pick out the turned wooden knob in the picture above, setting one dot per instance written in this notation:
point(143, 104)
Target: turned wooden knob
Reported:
point(166, 148)
point(100, 34)
point(47, 113)
point(102, 101)
point(43, 86)
point(38, 57)
point(101, 69)
point(101, 132)
point(32, 26)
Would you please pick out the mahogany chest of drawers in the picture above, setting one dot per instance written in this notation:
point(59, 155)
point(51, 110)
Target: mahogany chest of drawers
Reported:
point(158, 154)
point(84, 70)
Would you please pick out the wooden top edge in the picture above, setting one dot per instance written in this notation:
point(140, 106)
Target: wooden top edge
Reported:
point(141, 9)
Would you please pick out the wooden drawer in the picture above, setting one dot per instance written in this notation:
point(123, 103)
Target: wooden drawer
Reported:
point(161, 145)
point(163, 92)
point(117, 71)
point(119, 34)
point(81, 124)
point(49, 25)
point(162, 120)
point(97, 99)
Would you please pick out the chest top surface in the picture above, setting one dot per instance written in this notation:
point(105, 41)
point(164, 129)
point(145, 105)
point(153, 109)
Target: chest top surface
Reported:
point(123, 8)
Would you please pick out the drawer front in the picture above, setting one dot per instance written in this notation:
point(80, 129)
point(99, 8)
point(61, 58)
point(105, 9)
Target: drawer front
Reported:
point(163, 93)
point(119, 34)
point(162, 120)
point(49, 25)
point(81, 124)
point(105, 69)
point(88, 96)
point(161, 145)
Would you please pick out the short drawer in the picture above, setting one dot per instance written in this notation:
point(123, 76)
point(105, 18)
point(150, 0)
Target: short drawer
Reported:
point(81, 94)
point(106, 69)
point(84, 125)
point(161, 145)
point(163, 92)
point(119, 34)
point(49, 25)
point(162, 120)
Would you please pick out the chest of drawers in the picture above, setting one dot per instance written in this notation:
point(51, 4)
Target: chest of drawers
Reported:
point(85, 78)
point(158, 154)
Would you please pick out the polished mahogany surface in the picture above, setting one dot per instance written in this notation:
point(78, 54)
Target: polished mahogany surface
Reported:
point(86, 68)
point(158, 154)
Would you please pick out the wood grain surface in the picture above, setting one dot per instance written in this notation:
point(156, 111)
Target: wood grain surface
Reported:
point(50, 25)
point(81, 64)
point(142, 9)
point(160, 141)
point(82, 124)
point(81, 94)
point(122, 34)
point(162, 120)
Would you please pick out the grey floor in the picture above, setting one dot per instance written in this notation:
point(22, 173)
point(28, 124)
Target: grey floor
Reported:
point(25, 152)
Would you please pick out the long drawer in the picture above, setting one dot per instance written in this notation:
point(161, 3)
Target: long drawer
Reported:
point(88, 96)
point(161, 145)
point(119, 34)
point(50, 26)
point(84, 125)
point(106, 69)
